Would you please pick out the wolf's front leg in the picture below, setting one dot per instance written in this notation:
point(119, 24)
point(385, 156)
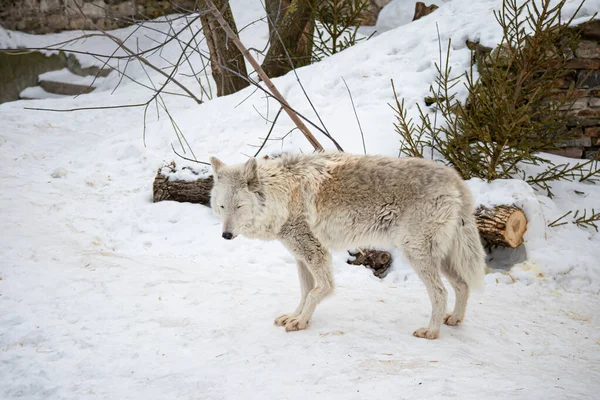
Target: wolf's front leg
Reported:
point(298, 238)
point(307, 283)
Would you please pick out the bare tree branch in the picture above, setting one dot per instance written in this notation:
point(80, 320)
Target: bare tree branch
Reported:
point(140, 58)
point(313, 141)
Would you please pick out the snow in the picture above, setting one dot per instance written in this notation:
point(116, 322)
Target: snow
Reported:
point(66, 76)
point(564, 256)
point(399, 13)
point(105, 294)
point(38, 92)
point(187, 173)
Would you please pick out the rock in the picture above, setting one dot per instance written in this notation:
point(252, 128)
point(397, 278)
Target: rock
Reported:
point(579, 104)
point(582, 141)
point(584, 63)
point(422, 10)
point(75, 67)
point(588, 49)
point(592, 131)
point(572, 152)
point(94, 9)
point(591, 30)
point(588, 79)
point(569, 78)
point(592, 155)
point(70, 89)
point(583, 122)
point(475, 46)
point(590, 112)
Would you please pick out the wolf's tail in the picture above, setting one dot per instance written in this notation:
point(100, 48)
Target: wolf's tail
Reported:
point(466, 257)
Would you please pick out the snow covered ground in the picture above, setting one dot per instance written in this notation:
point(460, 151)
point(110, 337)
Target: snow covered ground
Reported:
point(104, 294)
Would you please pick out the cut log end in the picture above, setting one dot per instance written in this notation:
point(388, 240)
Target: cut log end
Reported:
point(516, 225)
point(502, 225)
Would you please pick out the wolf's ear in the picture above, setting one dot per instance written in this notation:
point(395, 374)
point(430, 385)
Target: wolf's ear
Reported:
point(251, 174)
point(216, 165)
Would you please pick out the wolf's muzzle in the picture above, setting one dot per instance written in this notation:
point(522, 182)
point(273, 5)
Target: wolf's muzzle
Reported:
point(227, 235)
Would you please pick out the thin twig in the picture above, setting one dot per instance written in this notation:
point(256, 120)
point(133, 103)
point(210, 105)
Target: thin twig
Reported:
point(186, 158)
point(356, 115)
point(86, 108)
point(437, 98)
point(270, 130)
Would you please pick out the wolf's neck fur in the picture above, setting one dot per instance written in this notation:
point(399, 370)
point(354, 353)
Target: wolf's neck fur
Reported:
point(288, 185)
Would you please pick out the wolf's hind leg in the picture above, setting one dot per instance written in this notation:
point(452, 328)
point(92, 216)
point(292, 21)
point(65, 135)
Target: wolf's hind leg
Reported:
point(307, 283)
point(298, 238)
point(462, 295)
point(429, 271)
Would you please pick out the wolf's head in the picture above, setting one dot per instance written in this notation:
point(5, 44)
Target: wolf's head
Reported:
point(236, 197)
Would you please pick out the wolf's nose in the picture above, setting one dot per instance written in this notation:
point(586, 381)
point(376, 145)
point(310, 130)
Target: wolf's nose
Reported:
point(227, 235)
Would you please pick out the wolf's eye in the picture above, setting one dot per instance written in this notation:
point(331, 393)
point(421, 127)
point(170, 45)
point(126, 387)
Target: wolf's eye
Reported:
point(239, 207)
point(222, 207)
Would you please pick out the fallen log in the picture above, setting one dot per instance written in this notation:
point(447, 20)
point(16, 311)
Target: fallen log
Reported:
point(498, 226)
point(184, 191)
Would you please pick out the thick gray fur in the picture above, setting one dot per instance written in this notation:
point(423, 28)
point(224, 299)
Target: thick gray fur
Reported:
point(313, 203)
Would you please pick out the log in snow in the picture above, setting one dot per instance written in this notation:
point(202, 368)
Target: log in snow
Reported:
point(197, 191)
point(501, 225)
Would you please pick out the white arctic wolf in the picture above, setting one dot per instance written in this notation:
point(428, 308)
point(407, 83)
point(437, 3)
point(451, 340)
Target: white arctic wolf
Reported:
point(312, 203)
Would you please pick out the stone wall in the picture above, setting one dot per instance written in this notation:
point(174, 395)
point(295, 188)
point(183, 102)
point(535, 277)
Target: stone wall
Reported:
point(585, 73)
point(45, 16)
point(21, 71)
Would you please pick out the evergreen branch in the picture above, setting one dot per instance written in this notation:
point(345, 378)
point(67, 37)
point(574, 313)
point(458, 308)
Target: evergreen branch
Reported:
point(556, 223)
point(586, 221)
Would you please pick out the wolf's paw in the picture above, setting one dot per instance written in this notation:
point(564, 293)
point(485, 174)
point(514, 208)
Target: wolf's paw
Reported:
point(295, 324)
point(426, 334)
point(283, 319)
point(451, 320)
